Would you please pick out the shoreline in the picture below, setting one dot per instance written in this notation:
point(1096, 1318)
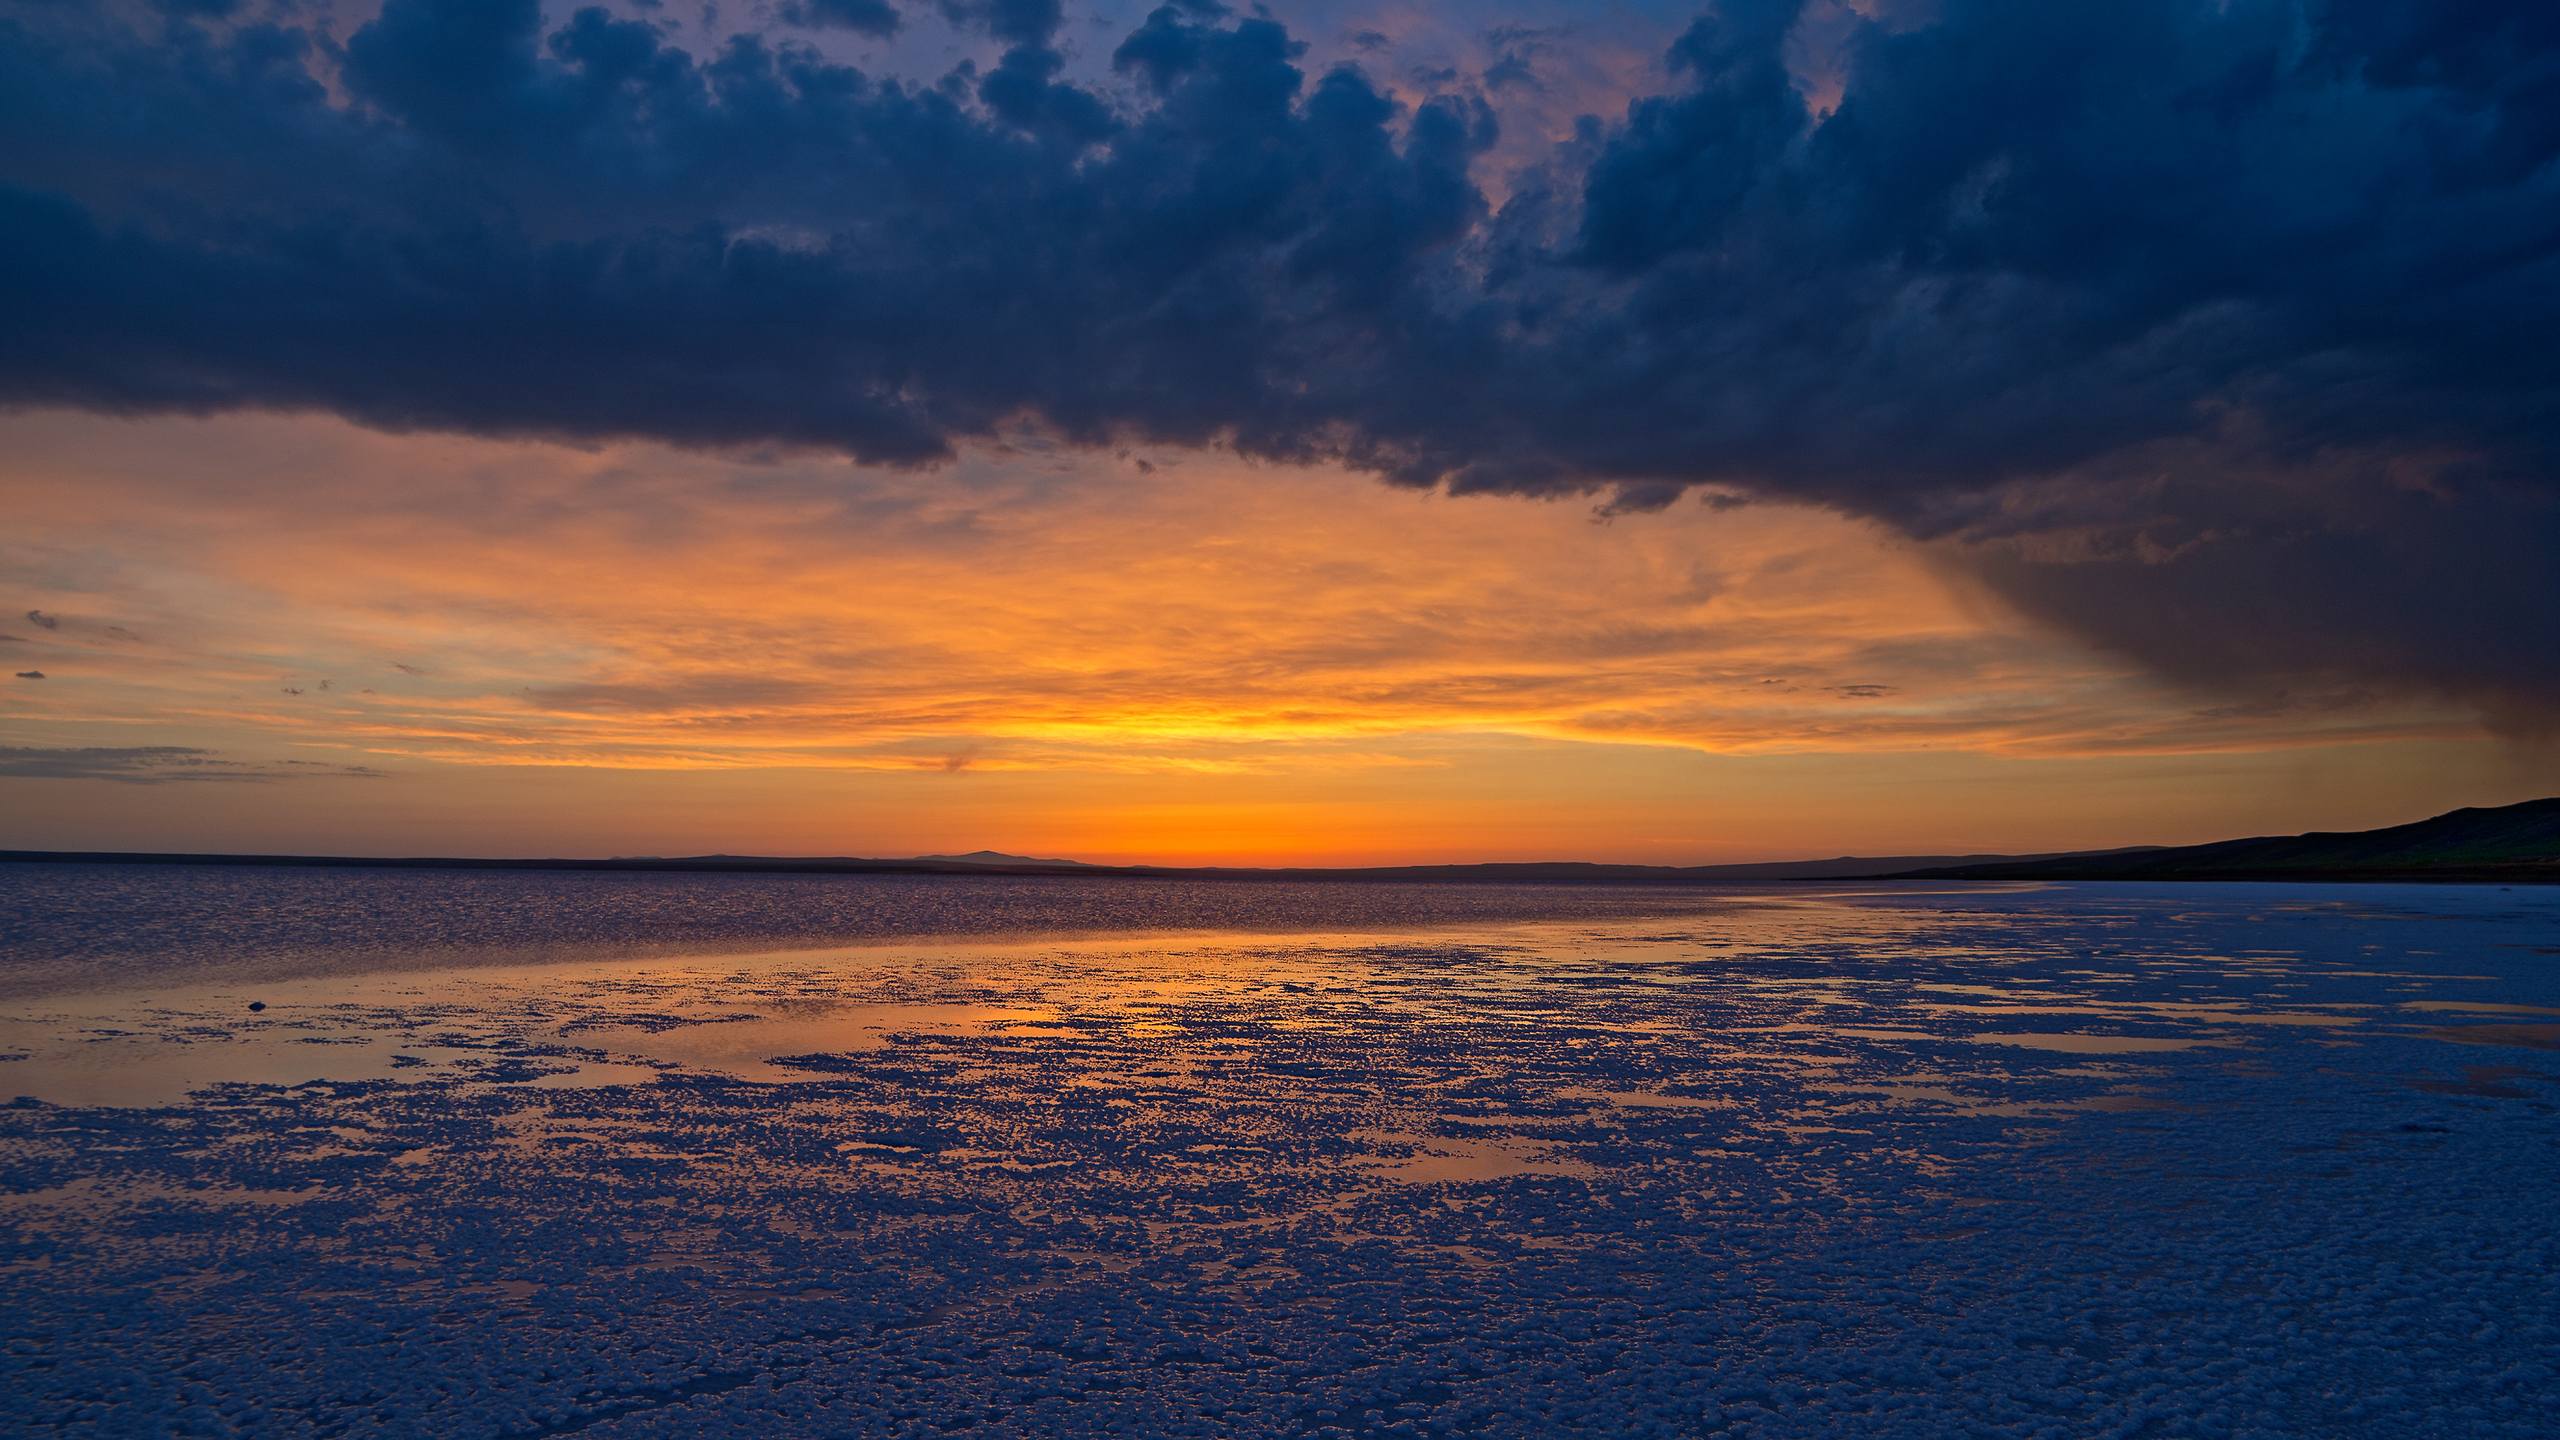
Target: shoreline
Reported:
point(1578, 874)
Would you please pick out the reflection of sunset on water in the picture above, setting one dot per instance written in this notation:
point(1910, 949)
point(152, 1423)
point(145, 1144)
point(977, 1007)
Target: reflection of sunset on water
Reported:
point(1844, 1126)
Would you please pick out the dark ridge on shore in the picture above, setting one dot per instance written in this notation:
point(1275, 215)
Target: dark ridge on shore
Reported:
point(2505, 844)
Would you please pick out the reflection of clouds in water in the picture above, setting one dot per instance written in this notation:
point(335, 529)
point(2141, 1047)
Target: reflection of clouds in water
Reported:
point(1512, 1176)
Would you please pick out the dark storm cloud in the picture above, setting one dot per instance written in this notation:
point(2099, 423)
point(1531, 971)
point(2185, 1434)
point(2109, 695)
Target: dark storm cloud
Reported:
point(1016, 22)
point(1514, 47)
point(869, 17)
point(2216, 330)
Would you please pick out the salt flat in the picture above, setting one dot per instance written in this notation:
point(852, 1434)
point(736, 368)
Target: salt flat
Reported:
point(2068, 1160)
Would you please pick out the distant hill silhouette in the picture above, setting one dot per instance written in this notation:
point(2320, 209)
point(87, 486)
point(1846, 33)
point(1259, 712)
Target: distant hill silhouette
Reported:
point(2506, 843)
point(995, 857)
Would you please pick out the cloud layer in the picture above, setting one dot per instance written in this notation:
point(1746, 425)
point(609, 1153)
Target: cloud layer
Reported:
point(629, 648)
point(2216, 330)
point(636, 607)
point(158, 765)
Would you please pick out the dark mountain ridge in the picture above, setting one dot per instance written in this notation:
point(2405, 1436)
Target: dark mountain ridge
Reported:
point(2506, 844)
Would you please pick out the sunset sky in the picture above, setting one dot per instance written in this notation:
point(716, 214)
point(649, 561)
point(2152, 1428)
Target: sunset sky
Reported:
point(1353, 432)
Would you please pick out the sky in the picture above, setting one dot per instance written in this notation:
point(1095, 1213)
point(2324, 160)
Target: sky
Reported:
point(1346, 432)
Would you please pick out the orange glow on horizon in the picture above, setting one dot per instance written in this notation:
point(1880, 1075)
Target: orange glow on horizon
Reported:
point(1188, 659)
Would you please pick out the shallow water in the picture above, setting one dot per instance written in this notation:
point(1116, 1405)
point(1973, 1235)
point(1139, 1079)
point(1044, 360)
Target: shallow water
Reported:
point(2168, 1161)
point(66, 927)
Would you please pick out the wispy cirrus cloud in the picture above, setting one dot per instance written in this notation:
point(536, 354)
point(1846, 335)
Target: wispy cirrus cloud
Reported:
point(160, 765)
point(1063, 615)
